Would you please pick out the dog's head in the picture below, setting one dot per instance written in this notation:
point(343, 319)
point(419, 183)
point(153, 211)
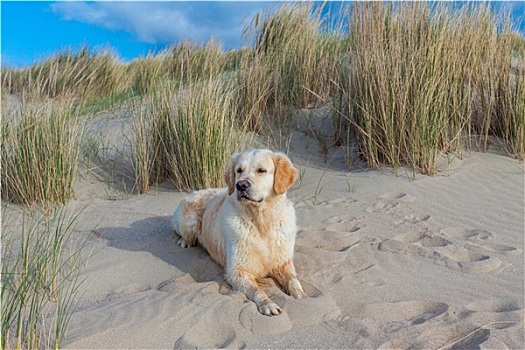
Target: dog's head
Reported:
point(258, 174)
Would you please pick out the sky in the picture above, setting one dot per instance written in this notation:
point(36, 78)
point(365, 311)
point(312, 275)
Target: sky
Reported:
point(32, 31)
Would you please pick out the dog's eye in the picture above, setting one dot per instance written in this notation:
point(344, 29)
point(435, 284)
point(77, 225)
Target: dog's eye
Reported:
point(261, 170)
point(239, 170)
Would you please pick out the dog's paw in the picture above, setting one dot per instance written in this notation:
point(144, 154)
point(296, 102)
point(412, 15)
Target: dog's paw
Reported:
point(296, 290)
point(298, 294)
point(182, 242)
point(269, 308)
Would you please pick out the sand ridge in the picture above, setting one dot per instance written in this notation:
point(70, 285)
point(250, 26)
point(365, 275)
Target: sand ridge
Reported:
point(387, 262)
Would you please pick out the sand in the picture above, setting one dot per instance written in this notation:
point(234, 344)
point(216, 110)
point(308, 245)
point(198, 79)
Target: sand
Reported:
point(388, 261)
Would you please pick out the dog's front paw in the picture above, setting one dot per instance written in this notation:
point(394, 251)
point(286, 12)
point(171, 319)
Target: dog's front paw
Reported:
point(296, 290)
point(298, 294)
point(182, 242)
point(269, 308)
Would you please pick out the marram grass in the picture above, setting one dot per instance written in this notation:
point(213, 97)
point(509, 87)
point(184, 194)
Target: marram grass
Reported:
point(297, 60)
point(187, 135)
point(40, 150)
point(41, 264)
point(409, 82)
point(424, 79)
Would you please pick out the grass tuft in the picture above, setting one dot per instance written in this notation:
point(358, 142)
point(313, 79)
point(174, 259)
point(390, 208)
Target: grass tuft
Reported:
point(187, 135)
point(40, 150)
point(297, 59)
point(40, 279)
point(423, 78)
point(84, 74)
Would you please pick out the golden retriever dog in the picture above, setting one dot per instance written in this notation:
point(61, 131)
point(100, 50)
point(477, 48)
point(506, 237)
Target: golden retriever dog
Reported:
point(248, 228)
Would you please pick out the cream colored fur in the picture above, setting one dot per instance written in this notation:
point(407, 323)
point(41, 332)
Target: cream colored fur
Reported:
point(251, 233)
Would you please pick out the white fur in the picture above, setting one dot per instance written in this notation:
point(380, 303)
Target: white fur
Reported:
point(251, 234)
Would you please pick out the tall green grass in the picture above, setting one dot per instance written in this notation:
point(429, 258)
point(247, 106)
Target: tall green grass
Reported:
point(295, 60)
point(408, 81)
point(40, 150)
point(205, 134)
point(187, 135)
point(145, 73)
point(253, 92)
point(41, 264)
point(423, 79)
point(186, 61)
point(83, 74)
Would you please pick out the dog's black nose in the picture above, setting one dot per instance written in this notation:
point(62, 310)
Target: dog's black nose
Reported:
point(242, 185)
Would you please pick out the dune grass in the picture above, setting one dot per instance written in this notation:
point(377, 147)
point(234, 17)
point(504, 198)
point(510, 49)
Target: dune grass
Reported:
point(41, 264)
point(295, 60)
point(409, 82)
point(514, 119)
point(253, 92)
point(205, 134)
point(40, 150)
point(186, 61)
point(425, 78)
point(186, 135)
point(83, 74)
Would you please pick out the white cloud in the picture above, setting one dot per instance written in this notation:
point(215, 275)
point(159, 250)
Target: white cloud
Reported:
point(166, 22)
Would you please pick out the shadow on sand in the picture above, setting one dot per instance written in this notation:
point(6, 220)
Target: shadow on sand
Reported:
point(154, 235)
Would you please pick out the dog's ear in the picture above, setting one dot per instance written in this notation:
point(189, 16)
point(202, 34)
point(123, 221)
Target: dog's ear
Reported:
point(229, 174)
point(285, 174)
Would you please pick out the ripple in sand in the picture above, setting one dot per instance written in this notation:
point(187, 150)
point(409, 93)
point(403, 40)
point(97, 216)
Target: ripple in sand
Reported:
point(259, 324)
point(209, 335)
point(451, 256)
point(412, 312)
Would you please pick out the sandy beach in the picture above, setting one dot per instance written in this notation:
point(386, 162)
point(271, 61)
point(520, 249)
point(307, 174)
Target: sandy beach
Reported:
point(405, 122)
point(388, 261)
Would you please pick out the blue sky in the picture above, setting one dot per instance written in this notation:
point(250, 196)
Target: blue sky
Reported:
point(33, 30)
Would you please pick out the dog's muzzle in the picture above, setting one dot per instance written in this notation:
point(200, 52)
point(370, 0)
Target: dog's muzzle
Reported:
point(242, 187)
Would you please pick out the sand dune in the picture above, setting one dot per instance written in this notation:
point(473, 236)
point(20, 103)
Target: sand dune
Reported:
point(387, 262)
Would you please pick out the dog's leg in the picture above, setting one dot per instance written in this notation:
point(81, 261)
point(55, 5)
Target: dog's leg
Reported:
point(247, 284)
point(285, 275)
point(186, 223)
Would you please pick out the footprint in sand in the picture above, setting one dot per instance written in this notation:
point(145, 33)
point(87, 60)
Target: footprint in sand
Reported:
point(339, 235)
point(495, 314)
point(338, 224)
point(209, 334)
point(390, 200)
point(441, 251)
point(414, 219)
point(465, 332)
point(316, 308)
point(424, 239)
point(352, 274)
point(494, 306)
point(458, 335)
point(477, 241)
point(390, 317)
point(459, 233)
point(260, 325)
